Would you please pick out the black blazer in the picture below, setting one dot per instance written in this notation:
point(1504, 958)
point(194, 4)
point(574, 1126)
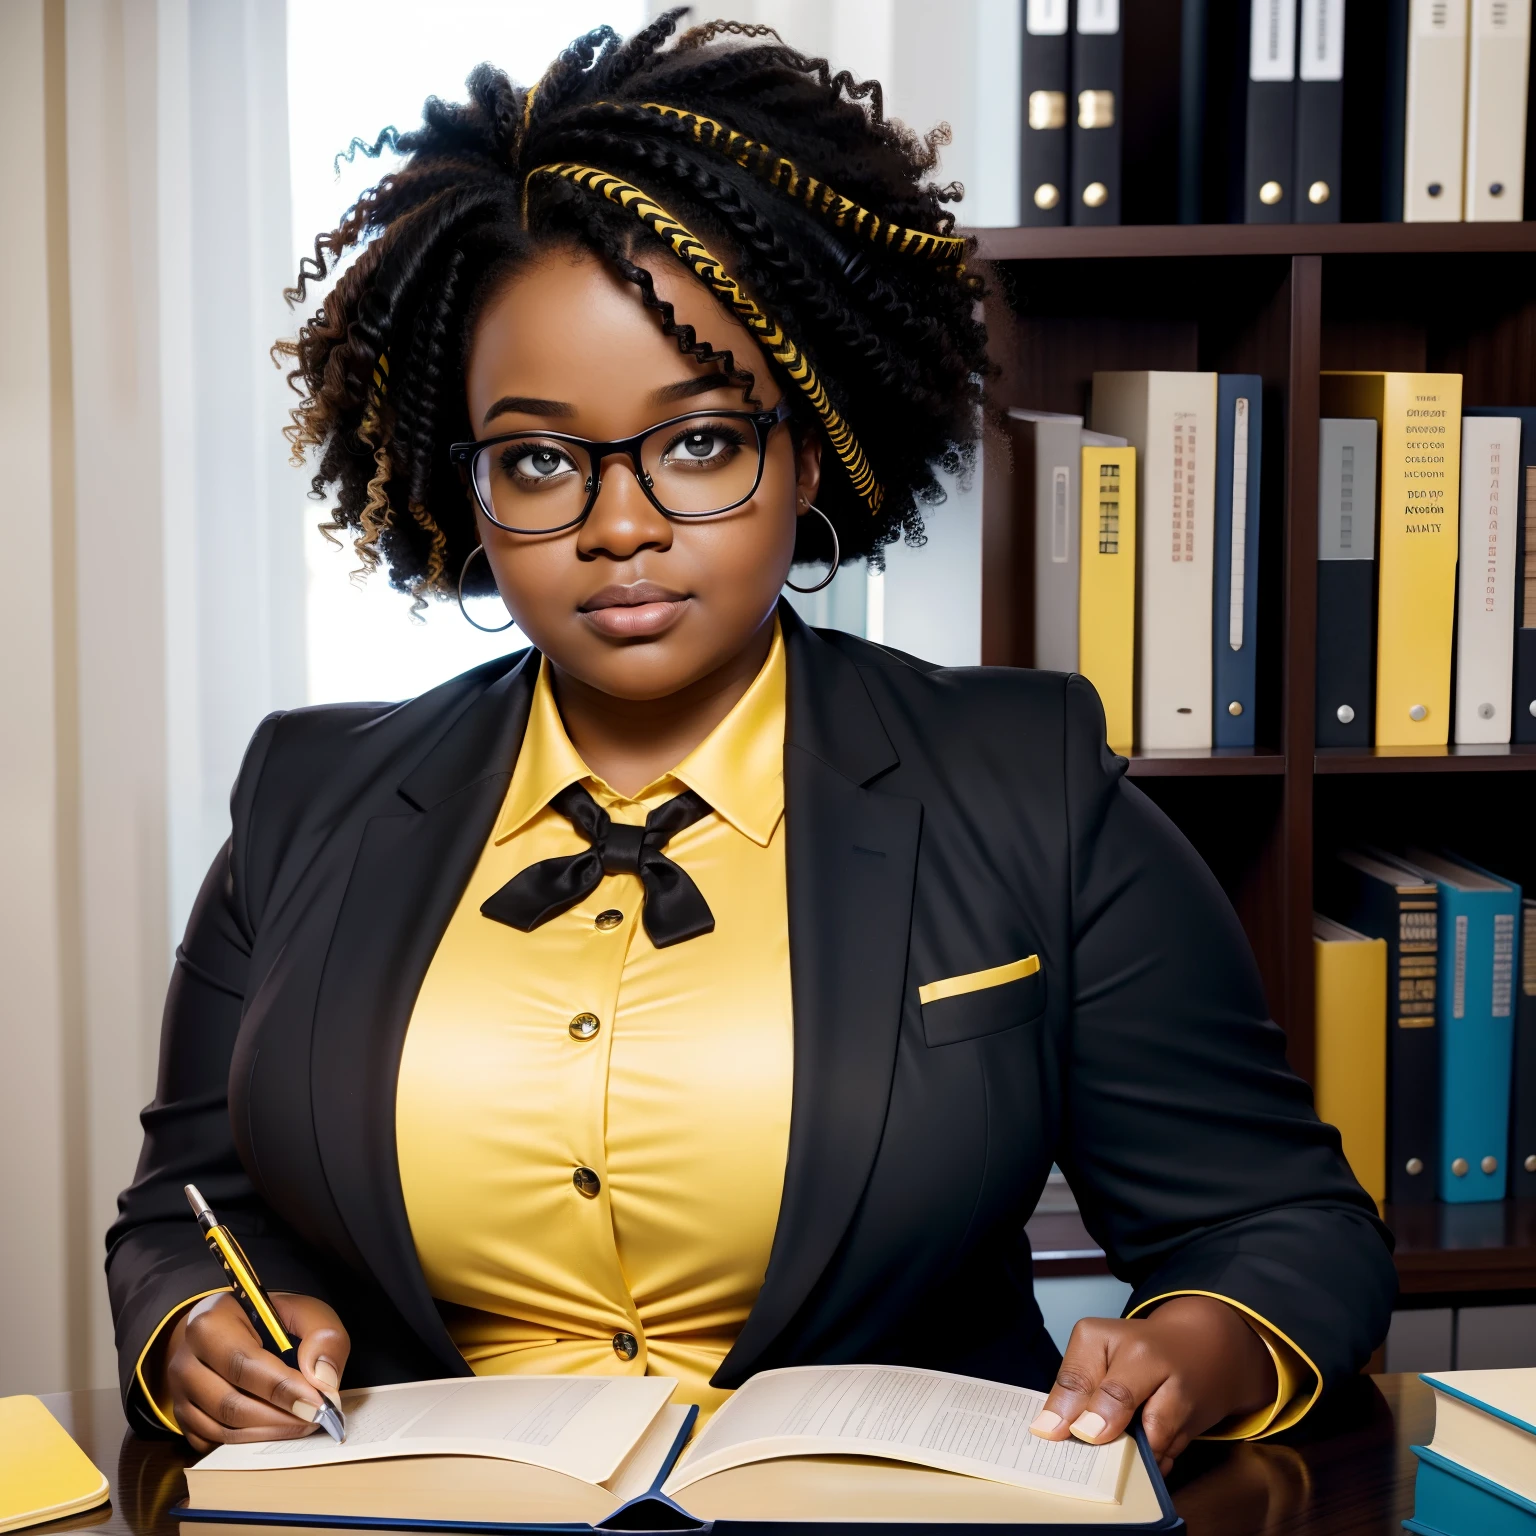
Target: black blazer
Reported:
point(939, 822)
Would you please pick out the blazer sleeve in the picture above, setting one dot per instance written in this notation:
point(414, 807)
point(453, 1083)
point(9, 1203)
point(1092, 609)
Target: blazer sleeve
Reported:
point(156, 1259)
point(1197, 1158)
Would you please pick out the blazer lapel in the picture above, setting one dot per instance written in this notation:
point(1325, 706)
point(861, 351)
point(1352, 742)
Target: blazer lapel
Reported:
point(410, 870)
point(851, 859)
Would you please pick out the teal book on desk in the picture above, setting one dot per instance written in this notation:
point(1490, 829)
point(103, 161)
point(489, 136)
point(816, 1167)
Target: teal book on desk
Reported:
point(1478, 1476)
point(1479, 918)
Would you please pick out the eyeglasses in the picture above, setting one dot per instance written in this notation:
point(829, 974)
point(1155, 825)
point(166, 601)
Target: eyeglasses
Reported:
point(698, 465)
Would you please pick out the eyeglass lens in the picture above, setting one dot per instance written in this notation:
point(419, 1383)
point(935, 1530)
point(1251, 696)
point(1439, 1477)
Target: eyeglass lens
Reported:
point(533, 483)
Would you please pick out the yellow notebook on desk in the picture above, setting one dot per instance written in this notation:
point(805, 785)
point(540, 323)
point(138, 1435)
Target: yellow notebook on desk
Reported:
point(44, 1475)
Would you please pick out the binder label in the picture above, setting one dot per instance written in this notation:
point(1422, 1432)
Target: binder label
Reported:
point(1098, 16)
point(1184, 500)
point(1440, 18)
point(1503, 965)
point(1459, 976)
point(1239, 522)
point(1109, 509)
point(1046, 18)
point(1322, 40)
point(1060, 537)
point(1272, 40)
point(1417, 933)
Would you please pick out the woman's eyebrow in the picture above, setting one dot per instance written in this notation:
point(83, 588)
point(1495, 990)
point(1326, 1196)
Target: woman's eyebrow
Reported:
point(527, 405)
point(701, 384)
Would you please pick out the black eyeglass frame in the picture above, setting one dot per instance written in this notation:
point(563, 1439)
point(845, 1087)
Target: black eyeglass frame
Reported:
point(763, 422)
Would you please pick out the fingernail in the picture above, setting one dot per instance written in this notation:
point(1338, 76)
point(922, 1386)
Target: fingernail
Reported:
point(1088, 1426)
point(1044, 1422)
point(300, 1408)
point(325, 1374)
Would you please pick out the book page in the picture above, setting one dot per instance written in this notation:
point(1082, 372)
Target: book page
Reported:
point(954, 1423)
point(581, 1425)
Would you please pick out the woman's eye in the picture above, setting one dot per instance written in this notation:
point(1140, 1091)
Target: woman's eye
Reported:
point(705, 447)
point(536, 463)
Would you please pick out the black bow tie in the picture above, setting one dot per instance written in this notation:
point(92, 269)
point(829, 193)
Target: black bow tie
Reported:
point(674, 909)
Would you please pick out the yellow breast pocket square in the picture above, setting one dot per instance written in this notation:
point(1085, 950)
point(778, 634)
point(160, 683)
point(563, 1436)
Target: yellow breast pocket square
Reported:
point(982, 1002)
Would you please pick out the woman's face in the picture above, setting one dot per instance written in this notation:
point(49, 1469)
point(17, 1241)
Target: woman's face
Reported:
point(631, 602)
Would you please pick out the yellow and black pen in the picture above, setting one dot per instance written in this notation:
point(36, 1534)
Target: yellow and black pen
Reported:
point(257, 1304)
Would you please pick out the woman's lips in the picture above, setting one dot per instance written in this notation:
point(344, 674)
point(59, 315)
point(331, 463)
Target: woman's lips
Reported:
point(624, 613)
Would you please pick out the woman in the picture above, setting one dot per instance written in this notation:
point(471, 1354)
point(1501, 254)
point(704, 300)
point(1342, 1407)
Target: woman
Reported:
point(696, 993)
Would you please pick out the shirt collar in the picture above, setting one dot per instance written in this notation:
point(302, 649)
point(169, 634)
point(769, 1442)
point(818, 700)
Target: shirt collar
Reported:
point(738, 768)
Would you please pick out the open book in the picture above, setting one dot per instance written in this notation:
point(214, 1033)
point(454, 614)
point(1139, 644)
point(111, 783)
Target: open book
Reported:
point(812, 1443)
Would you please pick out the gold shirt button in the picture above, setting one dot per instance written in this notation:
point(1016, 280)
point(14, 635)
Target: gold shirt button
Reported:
point(584, 1026)
point(626, 1346)
point(587, 1183)
point(1459, 1167)
point(609, 919)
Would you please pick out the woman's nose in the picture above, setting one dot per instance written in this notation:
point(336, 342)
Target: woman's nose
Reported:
point(622, 521)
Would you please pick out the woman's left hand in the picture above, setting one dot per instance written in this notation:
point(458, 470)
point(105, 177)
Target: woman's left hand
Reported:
point(1193, 1362)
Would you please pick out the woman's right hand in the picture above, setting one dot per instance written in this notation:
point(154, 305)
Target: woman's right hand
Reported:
point(223, 1385)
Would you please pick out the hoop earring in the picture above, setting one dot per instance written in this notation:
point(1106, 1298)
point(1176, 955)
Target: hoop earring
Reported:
point(837, 554)
point(485, 629)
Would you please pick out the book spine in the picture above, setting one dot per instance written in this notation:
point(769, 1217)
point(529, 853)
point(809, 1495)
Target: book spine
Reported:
point(1434, 131)
point(1058, 463)
point(1420, 480)
point(1498, 63)
point(1351, 1070)
point(1234, 629)
point(1270, 132)
point(1394, 109)
point(1525, 594)
point(1406, 917)
point(1477, 946)
point(1097, 109)
point(1346, 602)
point(1045, 81)
point(1522, 1131)
point(1485, 599)
point(1320, 112)
point(1193, 64)
point(1170, 419)
point(1107, 590)
point(1346, 581)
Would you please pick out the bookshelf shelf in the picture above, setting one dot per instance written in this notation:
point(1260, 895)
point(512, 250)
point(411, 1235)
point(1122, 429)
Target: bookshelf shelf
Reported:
point(1442, 1250)
point(1139, 241)
point(1283, 302)
point(1223, 762)
point(1506, 759)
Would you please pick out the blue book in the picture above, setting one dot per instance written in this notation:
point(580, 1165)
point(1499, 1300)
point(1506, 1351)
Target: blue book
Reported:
point(1479, 916)
point(1452, 1500)
point(1234, 630)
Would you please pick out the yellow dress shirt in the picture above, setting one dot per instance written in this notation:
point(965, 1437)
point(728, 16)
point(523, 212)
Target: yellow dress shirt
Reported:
point(674, 1104)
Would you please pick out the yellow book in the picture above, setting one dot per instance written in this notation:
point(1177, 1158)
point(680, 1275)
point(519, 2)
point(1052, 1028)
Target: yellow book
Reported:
point(1106, 610)
point(1419, 416)
point(1351, 1061)
point(44, 1475)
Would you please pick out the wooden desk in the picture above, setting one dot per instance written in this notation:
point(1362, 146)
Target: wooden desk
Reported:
point(1345, 1472)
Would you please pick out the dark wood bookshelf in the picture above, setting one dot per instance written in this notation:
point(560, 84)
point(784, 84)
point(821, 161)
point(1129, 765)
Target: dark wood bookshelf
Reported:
point(1515, 758)
point(1138, 241)
point(1284, 302)
point(1222, 761)
point(1445, 1254)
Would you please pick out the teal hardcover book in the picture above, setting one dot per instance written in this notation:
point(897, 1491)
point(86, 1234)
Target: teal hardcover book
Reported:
point(1478, 919)
point(1452, 1500)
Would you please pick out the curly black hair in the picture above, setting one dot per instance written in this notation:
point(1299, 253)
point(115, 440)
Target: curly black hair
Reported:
point(896, 339)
